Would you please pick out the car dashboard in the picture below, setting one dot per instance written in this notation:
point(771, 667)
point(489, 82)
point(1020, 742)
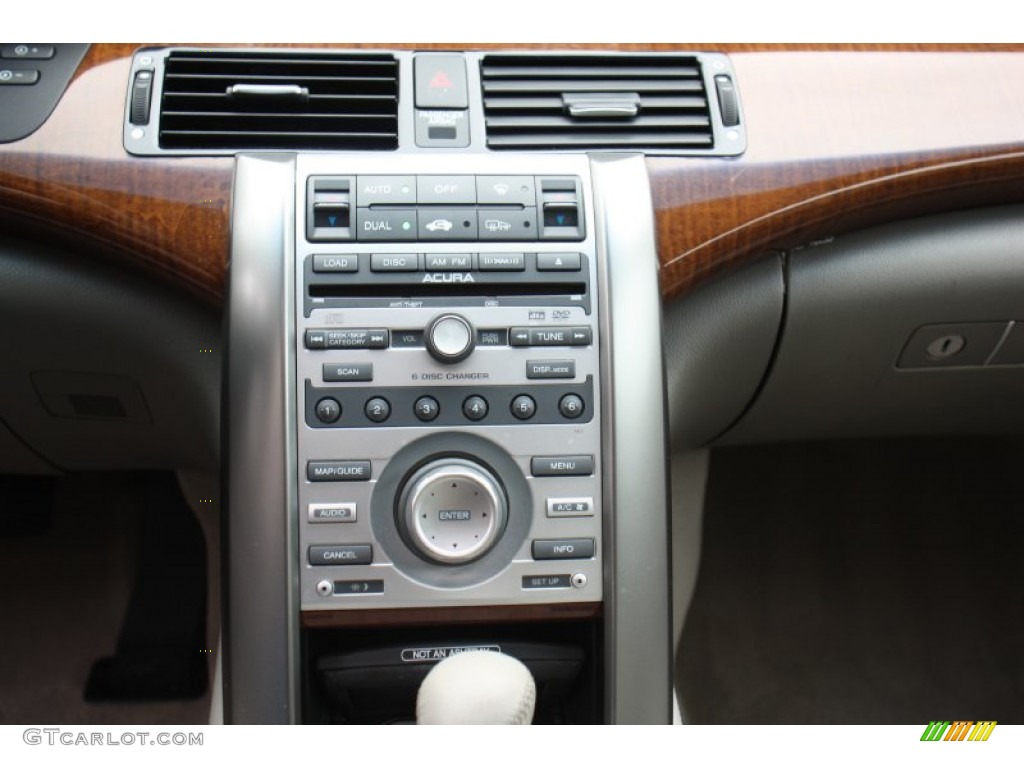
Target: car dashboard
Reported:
point(435, 339)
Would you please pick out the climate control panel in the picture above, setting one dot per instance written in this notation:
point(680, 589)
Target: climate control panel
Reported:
point(448, 389)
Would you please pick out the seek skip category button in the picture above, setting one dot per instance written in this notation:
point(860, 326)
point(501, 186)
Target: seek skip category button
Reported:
point(341, 554)
point(337, 471)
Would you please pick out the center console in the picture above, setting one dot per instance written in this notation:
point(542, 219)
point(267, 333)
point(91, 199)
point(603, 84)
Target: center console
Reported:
point(448, 386)
point(445, 431)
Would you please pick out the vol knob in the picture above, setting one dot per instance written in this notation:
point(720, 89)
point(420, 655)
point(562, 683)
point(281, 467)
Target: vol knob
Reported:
point(450, 338)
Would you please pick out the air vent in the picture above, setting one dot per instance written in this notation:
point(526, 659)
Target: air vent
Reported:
point(242, 100)
point(596, 102)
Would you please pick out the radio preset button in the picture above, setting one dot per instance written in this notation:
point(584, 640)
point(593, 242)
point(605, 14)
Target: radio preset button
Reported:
point(426, 409)
point(328, 410)
point(524, 407)
point(377, 409)
point(474, 408)
point(394, 262)
point(571, 406)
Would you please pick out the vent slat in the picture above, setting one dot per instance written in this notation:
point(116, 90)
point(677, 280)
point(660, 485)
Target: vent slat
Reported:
point(352, 102)
point(618, 140)
point(553, 122)
point(555, 103)
point(541, 72)
point(582, 86)
point(525, 108)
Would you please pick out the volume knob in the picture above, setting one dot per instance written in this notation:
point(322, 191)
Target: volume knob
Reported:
point(450, 338)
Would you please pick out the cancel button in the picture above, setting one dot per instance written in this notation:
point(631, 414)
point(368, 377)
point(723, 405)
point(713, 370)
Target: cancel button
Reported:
point(341, 554)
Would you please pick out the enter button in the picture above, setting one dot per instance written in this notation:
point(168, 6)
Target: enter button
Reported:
point(563, 549)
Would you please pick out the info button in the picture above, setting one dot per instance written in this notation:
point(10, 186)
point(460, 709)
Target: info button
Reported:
point(563, 549)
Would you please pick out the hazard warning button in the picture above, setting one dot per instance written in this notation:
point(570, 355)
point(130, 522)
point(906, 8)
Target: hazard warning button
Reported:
point(441, 81)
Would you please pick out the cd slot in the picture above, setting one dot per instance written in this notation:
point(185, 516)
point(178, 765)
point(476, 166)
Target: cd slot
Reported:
point(444, 290)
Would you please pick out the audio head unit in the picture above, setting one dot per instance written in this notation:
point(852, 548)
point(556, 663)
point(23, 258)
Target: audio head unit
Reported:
point(448, 383)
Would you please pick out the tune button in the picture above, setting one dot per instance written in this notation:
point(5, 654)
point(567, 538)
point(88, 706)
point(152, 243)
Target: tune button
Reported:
point(571, 406)
point(474, 408)
point(377, 409)
point(426, 409)
point(328, 410)
point(524, 407)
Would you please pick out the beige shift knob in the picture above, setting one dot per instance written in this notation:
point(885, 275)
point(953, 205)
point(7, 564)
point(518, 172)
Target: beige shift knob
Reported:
point(477, 688)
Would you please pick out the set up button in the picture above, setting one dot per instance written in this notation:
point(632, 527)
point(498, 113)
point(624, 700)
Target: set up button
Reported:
point(563, 549)
point(555, 581)
point(341, 554)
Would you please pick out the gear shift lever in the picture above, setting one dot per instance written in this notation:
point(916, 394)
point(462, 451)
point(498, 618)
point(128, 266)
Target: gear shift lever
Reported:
point(477, 688)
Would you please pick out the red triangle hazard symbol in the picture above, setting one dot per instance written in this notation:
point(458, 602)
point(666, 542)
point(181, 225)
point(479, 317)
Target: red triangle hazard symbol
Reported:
point(441, 80)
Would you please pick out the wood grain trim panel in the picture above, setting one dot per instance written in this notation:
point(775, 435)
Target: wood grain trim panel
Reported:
point(839, 136)
point(385, 617)
point(839, 141)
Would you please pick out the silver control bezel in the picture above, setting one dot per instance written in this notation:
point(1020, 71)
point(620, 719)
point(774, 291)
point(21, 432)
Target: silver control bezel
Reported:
point(410, 367)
